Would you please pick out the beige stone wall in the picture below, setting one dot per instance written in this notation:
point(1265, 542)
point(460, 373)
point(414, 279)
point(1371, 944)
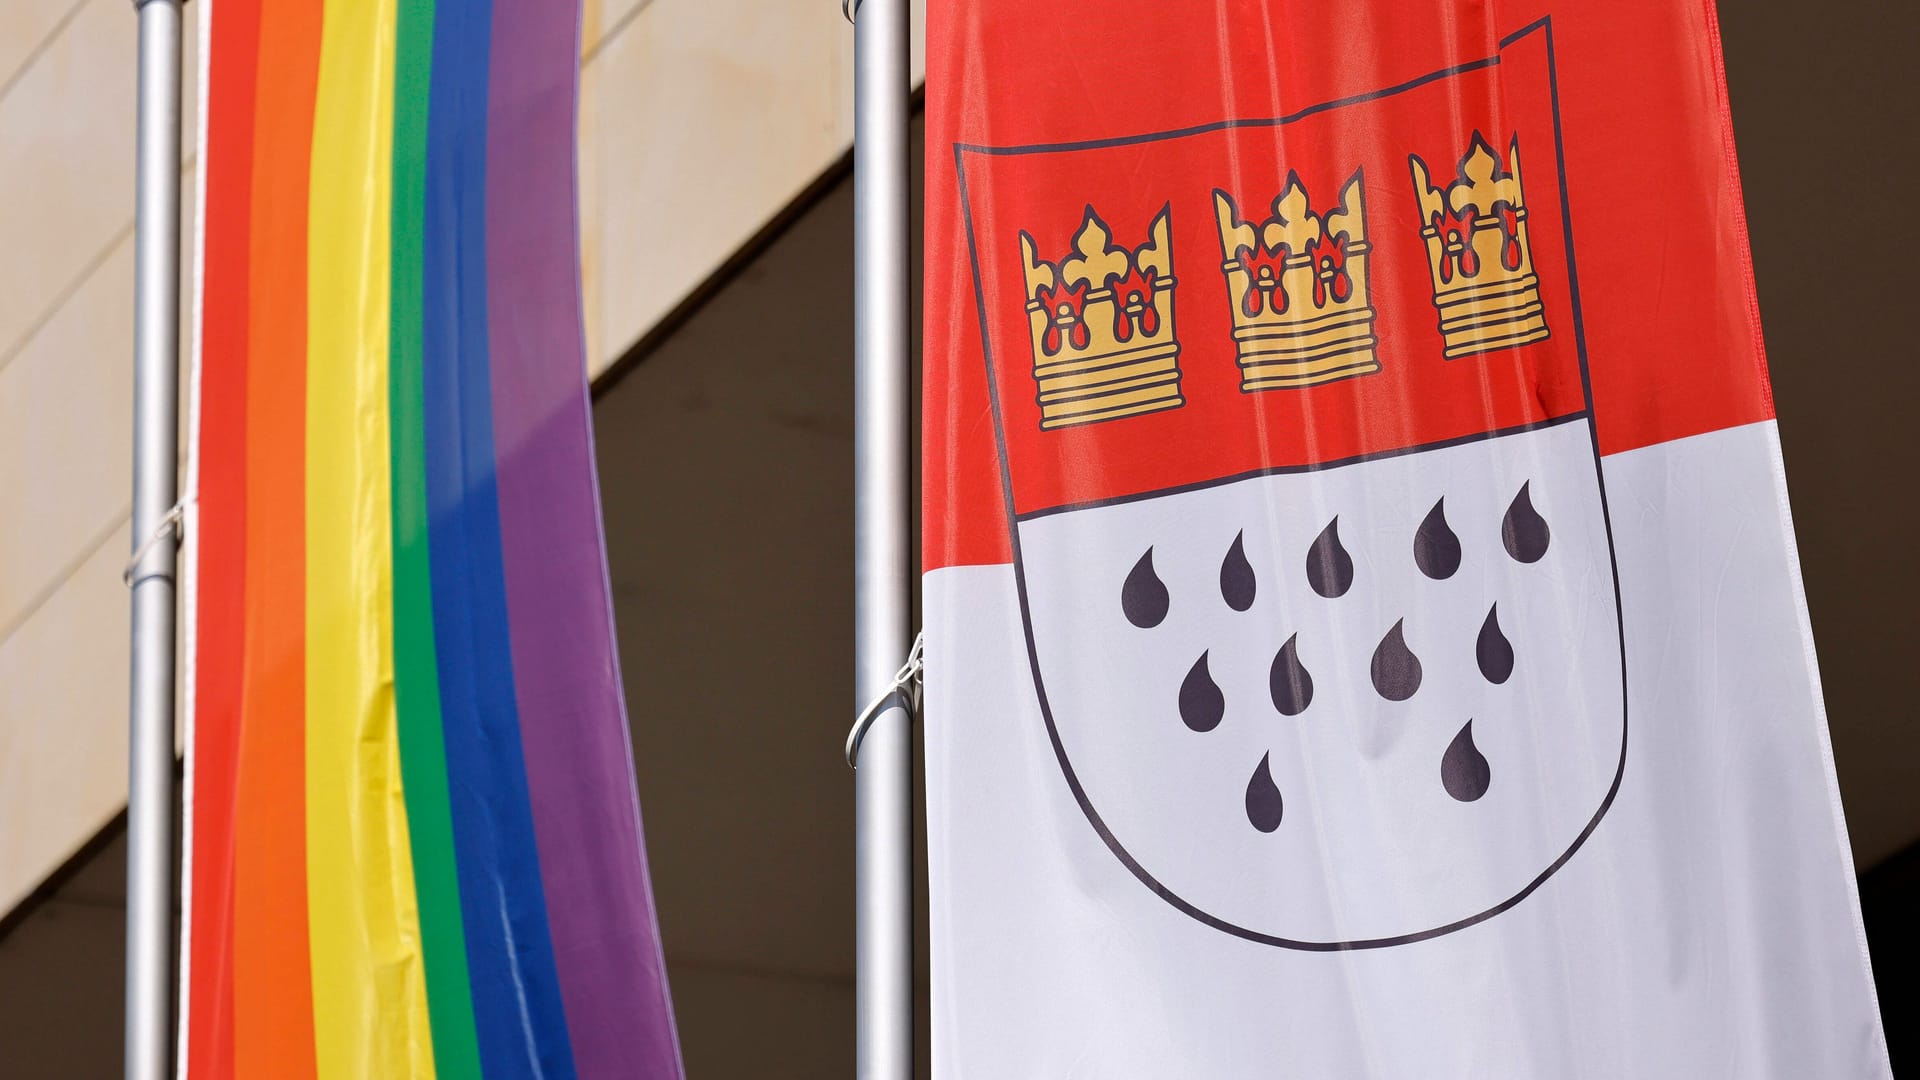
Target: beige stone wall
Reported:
point(700, 120)
point(66, 321)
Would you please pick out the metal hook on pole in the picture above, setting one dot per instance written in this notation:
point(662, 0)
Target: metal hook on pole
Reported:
point(904, 692)
point(168, 530)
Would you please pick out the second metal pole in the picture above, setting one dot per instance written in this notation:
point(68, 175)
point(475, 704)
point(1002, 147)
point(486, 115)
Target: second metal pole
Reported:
point(156, 373)
point(883, 566)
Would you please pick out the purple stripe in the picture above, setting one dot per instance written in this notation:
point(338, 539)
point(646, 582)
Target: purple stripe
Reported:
point(573, 727)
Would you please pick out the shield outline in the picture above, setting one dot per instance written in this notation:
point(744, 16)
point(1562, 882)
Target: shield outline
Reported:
point(1543, 25)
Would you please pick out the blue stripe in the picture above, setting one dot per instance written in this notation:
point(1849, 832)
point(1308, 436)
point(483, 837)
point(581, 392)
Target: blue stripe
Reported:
point(517, 1008)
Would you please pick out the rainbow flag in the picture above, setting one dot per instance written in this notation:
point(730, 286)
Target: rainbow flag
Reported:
point(415, 847)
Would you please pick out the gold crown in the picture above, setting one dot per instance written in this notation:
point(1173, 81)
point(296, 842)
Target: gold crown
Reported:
point(1478, 255)
point(1102, 323)
point(1298, 285)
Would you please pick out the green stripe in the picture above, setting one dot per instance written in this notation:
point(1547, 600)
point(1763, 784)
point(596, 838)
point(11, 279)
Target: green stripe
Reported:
point(423, 759)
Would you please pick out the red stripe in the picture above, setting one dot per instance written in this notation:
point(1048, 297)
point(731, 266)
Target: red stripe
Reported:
point(273, 1029)
point(221, 535)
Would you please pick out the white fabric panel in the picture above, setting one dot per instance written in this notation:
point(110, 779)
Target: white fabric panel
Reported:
point(1708, 927)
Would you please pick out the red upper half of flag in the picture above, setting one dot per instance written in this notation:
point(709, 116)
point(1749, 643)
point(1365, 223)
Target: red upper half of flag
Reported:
point(1300, 333)
point(1494, 211)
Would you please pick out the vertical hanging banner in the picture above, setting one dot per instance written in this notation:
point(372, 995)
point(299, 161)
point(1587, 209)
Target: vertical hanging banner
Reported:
point(414, 842)
point(1364, 630)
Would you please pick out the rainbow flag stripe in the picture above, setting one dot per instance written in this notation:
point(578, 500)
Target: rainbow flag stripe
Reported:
point(414, 845)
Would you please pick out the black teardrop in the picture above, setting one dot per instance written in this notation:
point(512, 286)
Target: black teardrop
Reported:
point(1436, 550)
point(1144, 596)
point(1291, 684)
point(1493, 650)
point(1464, 770)
point(1201, 702)
point(1236, 576)
point(1329, 567)
point(1524, 531)
point(1264, 805)
point(1396, 671)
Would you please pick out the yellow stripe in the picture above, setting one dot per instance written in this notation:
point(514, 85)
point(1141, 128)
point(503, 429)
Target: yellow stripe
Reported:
point(369, 992)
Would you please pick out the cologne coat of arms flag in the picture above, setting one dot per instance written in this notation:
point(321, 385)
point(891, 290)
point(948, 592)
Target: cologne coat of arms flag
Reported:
point(1364, 629)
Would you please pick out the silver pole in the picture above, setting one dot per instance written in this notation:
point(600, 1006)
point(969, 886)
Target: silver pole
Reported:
point(156, 364)
point(883, 566)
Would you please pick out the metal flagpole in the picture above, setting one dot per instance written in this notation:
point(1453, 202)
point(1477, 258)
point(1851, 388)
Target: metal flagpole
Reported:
point(883, 567)
point(156, 365)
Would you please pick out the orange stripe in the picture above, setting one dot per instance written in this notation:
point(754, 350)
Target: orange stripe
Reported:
point(221, 536)
point(273, 1007)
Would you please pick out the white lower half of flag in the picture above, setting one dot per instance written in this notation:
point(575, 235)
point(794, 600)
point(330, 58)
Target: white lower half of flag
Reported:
point(1115, 897)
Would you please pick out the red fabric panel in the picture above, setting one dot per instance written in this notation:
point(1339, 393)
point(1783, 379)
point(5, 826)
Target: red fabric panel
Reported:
point(1665, 285)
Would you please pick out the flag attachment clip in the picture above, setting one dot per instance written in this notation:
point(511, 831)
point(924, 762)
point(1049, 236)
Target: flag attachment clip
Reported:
point(169, 528)
point(903, 691)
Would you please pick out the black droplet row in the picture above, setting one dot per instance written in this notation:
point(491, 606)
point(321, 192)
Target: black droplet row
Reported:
point(1465, 775)
point(1329, 566)
point(1395, 670)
